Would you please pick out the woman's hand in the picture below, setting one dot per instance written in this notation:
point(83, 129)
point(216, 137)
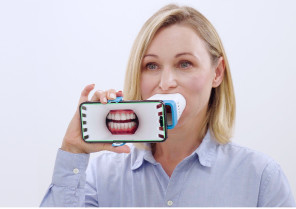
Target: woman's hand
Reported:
point(73, 141)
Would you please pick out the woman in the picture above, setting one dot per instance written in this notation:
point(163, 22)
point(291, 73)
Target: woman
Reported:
point(176, 51)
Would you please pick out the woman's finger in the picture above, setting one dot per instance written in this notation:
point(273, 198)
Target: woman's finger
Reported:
point(111, 94)
point(108, 146)
point(121, 149)
point(96, 96)
point(119, 94)
point(103, 97)
point(85, 92)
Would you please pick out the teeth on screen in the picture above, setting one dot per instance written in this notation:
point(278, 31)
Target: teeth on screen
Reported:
point(122, 122)
point(123, 116)
point(121, 126)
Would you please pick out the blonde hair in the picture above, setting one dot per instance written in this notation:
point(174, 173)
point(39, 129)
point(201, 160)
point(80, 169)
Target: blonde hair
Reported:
point(221, 109)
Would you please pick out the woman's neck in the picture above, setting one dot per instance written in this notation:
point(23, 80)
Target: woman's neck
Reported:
point(181, 142)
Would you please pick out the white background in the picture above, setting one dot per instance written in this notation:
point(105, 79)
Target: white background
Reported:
point(51, 49)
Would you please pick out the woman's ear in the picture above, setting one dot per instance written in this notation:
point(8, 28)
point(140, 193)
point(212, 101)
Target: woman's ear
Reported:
point(219, 73)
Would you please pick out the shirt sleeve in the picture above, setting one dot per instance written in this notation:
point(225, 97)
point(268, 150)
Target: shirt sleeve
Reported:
point(68, 182)
point(275, 190)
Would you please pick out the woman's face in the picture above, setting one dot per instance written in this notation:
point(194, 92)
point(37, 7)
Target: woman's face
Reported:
point(177, 61)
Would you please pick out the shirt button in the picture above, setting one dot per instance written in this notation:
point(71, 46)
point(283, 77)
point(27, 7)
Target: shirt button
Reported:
point(75, 170)
point(170, 203)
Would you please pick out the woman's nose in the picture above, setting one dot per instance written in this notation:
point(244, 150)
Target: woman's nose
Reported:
point(167, 80)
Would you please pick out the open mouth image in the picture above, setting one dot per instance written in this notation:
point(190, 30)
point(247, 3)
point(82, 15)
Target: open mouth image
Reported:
point(122, 121)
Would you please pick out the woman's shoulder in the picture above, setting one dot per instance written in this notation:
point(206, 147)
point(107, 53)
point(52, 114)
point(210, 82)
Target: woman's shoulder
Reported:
point(257, 171)
point(247, 158)
point(233, 148)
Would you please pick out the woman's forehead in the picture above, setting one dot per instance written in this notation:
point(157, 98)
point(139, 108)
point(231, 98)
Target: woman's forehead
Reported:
point(176, 39)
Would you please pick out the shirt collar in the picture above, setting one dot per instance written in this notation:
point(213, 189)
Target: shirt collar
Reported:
point(207, 150)
point(138, 155)
point(206, 153)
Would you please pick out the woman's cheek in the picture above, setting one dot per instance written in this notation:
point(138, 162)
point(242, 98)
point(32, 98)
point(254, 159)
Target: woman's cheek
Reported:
point(197, 83)
point(146, 86)
point(198, 90)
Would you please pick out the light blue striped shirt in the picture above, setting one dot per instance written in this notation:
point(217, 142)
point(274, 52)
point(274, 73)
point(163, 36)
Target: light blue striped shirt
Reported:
point(213, 175)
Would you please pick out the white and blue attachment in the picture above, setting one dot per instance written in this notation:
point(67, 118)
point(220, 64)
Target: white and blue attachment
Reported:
point(175, 105)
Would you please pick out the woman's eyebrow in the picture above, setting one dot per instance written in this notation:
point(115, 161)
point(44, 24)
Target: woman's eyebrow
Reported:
point(186, 53)
point(150, 55)
point(176, 56)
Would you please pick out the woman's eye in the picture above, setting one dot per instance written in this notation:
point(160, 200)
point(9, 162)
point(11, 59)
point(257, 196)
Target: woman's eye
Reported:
point(185, 64)
point(151, 66)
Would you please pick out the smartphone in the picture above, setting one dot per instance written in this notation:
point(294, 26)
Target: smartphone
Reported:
point(124, 121)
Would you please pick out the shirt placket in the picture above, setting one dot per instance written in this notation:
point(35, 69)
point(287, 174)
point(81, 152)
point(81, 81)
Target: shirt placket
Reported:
point(176, 183)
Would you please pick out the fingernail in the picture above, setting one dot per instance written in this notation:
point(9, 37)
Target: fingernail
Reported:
point(104, 100)
point(112, 96)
